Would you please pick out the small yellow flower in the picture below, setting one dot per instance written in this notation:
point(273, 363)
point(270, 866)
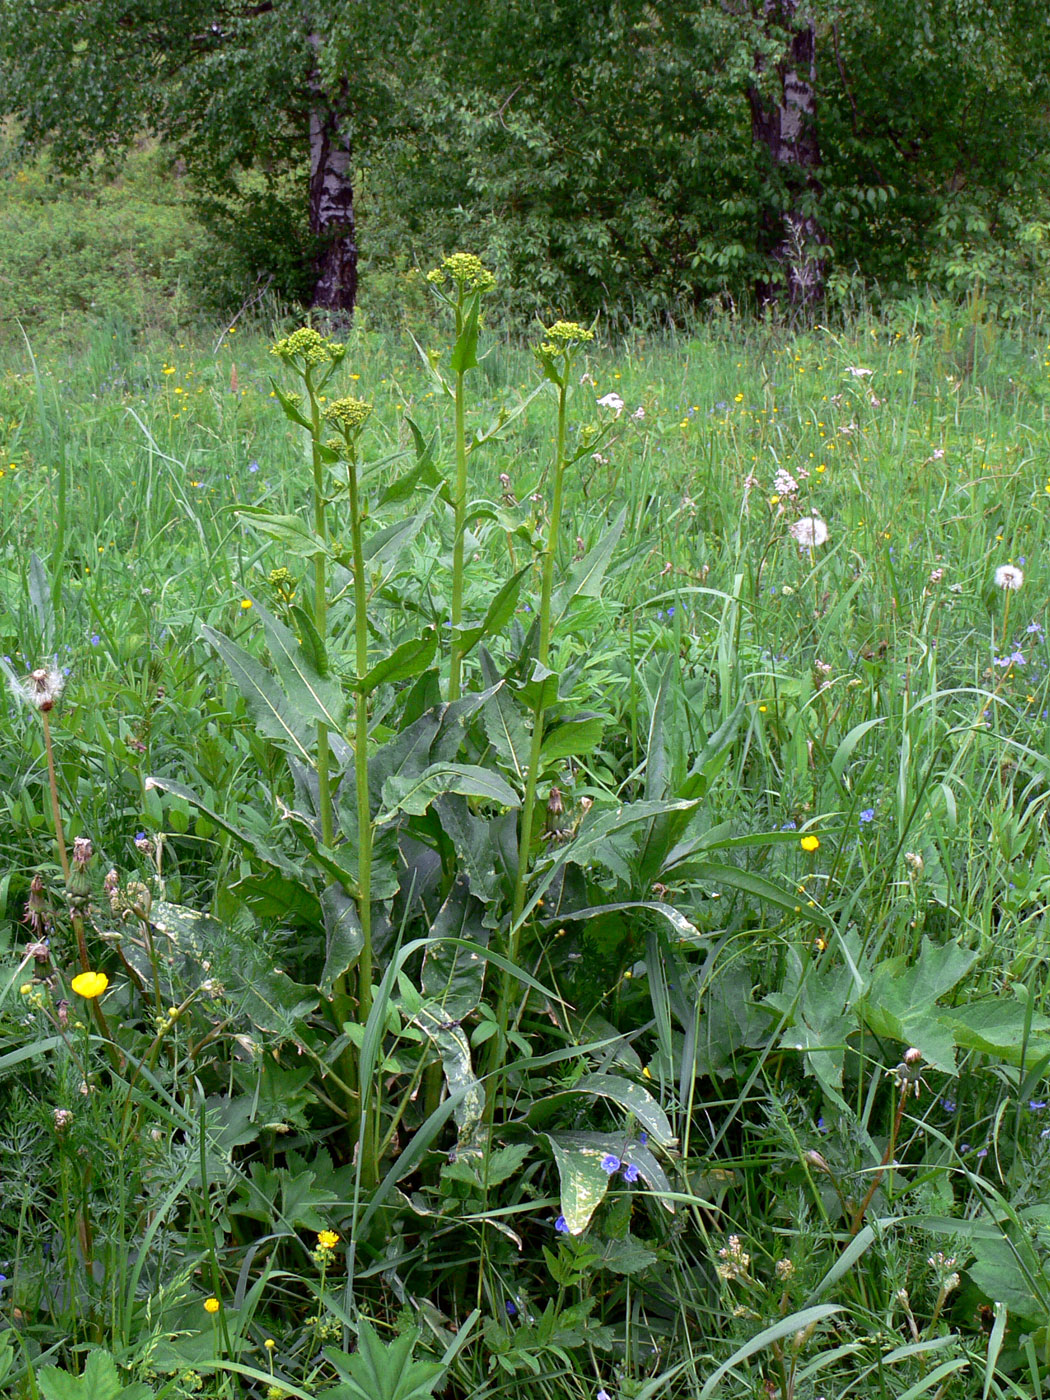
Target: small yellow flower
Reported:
point(328, 1239)
point(90, 984)
point(246, 603)
point(211, 1305)
point(269, 1344)
point(25, 989)
point(809, 843)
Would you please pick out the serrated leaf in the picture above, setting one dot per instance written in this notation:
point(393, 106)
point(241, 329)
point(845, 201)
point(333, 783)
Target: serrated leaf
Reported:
point(100, 1381)
point(382, 1371)
point(290, 407)
point(506, 730)
point(628, 1256)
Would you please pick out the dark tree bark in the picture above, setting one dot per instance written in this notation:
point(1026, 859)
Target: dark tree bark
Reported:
point(332, 210)
point(783, 122)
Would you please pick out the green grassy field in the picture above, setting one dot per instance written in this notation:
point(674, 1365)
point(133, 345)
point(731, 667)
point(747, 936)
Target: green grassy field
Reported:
point(787, 798)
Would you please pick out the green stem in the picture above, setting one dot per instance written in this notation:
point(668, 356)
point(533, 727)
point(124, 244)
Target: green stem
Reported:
point(364, 815)
point(455, 665)
point(324, 782)
point(532, 779)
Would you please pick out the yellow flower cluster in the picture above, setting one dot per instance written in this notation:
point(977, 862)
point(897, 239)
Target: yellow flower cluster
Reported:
point(563, 335)
point(309, 346)
point(349, 414)
point(466, 270)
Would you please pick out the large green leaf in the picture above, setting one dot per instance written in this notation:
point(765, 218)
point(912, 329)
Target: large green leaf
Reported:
point(585, 579)
point(415, 795)
point(497, 615)
point(100, 1381)
point(633, 1099)
point(902, 1001)
point(312, 693)
point(274, 713)
point(465, 351)
point(344, 936)
point(382, 1370)
point(287, 530)
point(407, 659)
point(584, 1181)
point(453, 975)
point(464, 1087)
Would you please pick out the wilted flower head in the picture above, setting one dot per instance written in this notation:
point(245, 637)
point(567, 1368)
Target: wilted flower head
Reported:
point(41, 688)
point(349, 414)
point(914, 862)
point(1009, 576)
point(809, 532)
point(63, 1117)
point(308, 346)
point(82, 850)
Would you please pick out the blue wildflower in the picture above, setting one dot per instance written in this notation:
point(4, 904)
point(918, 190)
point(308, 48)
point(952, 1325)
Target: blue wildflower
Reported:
point(253, 466)
point(1036, 1105)
point(561, 1225)
point(868, 815)
point(603, 1395)
point(643, 1137)
point(512, 1311)
point(95, 639)
point(630, 1173)
point(610, 1163)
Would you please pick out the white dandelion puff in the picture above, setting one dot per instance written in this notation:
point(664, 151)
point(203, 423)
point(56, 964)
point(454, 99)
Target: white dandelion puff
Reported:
point(809, 532)
point(1009, 576)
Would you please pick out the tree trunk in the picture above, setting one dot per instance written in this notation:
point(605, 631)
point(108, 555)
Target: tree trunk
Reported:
point(784, 123)
point(332, 209)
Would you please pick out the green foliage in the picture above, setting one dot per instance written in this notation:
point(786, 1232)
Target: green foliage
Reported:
point(774, 1110)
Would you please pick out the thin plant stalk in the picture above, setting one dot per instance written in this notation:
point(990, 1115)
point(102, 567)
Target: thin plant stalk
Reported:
point(324, 782)
point(455, 664)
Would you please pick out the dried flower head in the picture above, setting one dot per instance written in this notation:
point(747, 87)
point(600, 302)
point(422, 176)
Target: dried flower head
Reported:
point(1009, 577)
point(82, 850)
point(809, 532)
point(914, 862)
point(41, 688)
point(63, 1117)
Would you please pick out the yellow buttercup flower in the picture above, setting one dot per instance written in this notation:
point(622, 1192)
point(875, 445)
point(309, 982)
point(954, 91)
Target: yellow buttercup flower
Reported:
point(328, 1239)
point(809, 843)
point(211, 1305)
point(90, 984)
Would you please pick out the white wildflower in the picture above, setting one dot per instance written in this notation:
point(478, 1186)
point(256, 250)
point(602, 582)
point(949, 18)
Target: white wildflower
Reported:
point(41, 688)
point(612, 401)
point(857, 372)
point(638, 414)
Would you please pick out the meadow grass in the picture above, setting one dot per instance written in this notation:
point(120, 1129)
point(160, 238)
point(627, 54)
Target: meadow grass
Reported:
point(848, 1222)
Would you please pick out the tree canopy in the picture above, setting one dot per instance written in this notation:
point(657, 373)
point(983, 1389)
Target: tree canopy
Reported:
point(636, 156)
